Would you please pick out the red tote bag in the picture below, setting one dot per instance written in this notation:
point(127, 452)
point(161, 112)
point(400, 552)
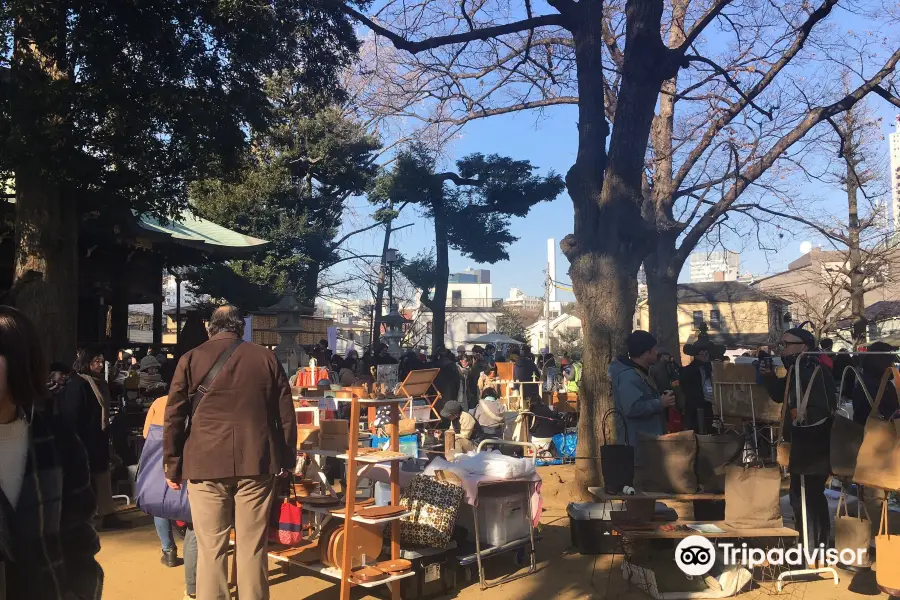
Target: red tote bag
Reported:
point(286, 523)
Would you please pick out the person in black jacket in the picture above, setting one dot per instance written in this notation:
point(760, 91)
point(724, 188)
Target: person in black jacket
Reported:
point(821, 406)
point(842, 360)
point(85, 407)
point(873, 369)
point(546, 422)
point(526, 370)
point(697, 383)
point(447, 381)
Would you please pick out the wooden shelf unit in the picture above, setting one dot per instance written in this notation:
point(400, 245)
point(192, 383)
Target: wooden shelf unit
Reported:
point(350, 504)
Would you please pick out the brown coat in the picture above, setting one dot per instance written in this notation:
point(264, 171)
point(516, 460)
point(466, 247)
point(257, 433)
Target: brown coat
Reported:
point(245, 426)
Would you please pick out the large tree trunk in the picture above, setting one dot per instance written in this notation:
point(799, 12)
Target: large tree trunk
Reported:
point(46, 275)
point(857, 274)
point(310, 283)
point(46, 262)
point(662, 288)
point(605, 284)
point(442, 273)
point(382, 275)
point(609, 240)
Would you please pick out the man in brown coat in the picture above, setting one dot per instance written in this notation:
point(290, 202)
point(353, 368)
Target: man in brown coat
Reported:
point(242, 433)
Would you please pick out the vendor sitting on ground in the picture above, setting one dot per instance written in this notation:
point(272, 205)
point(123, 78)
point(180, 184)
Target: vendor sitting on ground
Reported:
point(489, 414)
point(468, 431)
point(545, 422)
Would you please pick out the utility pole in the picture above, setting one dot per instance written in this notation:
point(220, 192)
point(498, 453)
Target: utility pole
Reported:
point(379, 294)
point(547, 284)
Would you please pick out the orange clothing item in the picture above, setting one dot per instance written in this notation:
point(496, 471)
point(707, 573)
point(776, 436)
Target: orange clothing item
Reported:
point(156, 414)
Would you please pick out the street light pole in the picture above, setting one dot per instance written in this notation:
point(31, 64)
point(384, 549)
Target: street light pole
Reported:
point(390, 259)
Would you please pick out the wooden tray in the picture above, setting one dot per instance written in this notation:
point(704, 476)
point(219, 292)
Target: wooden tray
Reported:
point(321, 500)
point(381, 512)
point(333, 560)
point(394, 566)
point(367, 540)
point(368, 575)
point(325, 538)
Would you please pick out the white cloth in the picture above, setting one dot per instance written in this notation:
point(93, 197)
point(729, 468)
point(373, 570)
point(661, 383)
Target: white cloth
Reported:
point(13, 455)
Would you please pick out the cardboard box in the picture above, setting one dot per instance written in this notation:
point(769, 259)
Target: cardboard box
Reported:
point(335, 427)
point(338, 442)
point(307, 437)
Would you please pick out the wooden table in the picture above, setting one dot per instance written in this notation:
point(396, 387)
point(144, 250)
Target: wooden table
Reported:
point(728, 532)
point(603, 496)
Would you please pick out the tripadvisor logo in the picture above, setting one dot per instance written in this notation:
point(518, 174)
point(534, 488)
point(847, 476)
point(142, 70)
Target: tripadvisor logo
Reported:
point(695, 555)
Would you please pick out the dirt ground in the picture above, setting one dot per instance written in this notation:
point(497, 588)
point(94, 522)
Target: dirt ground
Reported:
point(130, 559)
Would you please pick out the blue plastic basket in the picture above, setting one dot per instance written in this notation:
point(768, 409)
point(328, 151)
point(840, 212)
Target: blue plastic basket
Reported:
point(409, 444)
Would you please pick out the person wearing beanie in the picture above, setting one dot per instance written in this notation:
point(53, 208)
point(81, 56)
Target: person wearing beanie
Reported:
point(697, 382)
point(468, 431)
point(822, 404)
point(635, 394)
point(150, 380)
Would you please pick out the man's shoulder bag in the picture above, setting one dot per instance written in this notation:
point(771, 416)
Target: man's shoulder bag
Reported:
point(197, 397)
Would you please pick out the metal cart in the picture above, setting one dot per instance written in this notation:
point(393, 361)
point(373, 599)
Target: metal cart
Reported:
point(526, 543)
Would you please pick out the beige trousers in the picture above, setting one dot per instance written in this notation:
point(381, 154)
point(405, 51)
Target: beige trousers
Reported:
point(216, 504)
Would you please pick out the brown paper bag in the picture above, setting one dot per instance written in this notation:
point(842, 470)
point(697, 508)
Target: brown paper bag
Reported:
point(752, 497)
point(878, 461)
point(887, 553)
point(852, 533)
point(669, 462)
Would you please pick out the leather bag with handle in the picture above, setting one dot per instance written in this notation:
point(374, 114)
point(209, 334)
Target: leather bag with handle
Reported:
point(783, 447)
point(616, 460)
point(753, 497)
point(714, 452)
point(852, 533)
point(887, 553)
point(878, 461)
point(846, 434)
point(810, 442)
point(669, 461)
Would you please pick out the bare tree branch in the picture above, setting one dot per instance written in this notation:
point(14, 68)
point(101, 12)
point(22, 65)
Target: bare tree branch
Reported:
point(458, 38)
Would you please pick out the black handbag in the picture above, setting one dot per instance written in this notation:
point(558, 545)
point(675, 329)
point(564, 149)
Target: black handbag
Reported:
point(810, 442)
point(616, 460)
point(714, 452)
point(846, 434)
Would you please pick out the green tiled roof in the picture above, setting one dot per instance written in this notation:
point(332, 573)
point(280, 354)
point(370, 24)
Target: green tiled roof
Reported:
point(194, 231)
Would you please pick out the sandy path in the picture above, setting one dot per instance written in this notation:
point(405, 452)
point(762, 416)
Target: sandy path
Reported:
point(133, 572)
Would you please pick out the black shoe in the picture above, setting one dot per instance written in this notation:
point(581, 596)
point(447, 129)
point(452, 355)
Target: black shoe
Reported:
point(170, 557)
point(114, 522)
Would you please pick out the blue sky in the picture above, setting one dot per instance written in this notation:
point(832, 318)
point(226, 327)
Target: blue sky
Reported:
point(549, 141)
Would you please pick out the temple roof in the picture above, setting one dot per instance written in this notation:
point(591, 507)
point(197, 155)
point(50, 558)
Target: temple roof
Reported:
point(201, 234)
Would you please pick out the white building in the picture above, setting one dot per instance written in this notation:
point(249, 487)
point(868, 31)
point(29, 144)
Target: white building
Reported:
point(471, 309)
point(563, 324)
point(715, 266)
point(895, 174)
point(170, 293)
point(518, 299)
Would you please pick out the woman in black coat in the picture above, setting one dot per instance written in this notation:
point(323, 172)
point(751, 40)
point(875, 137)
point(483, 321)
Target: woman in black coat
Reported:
point(696, 381)
point(85, 407)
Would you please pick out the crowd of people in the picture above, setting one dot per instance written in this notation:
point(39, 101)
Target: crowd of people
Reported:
point(649, 388)
point(222, 421)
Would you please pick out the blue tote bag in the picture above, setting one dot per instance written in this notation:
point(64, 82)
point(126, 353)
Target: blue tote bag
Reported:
point(153, 495)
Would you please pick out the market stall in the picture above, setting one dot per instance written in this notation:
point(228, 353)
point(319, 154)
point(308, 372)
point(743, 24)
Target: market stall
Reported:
point(424, 503)
point(740, 470)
